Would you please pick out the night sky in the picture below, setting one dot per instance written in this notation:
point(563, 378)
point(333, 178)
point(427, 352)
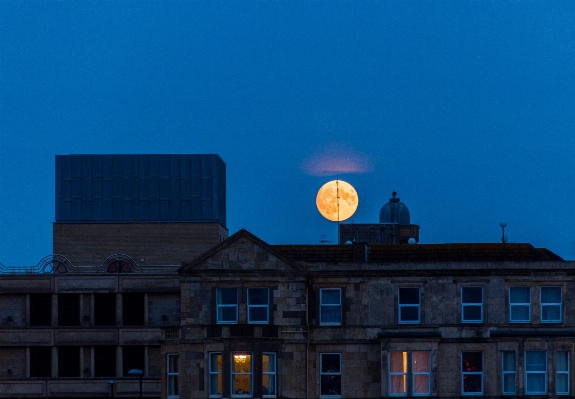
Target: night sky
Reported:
point(465, 108)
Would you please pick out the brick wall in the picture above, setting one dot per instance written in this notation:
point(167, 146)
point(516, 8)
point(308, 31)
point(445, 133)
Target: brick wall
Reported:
point(156, 243)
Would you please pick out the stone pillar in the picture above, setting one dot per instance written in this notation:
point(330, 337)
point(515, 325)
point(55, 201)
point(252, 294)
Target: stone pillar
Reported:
point(54, 361)
point(54, 310)
point(119, 361)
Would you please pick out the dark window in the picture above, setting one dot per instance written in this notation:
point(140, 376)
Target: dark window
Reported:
point(105, 361)
point(69, 309)
point(330, 374)
point(227, 305)
point(258, 305)
point(133, 358)
point(40, 361)
point(40, 309)
point(104, 309)
point(472, 373)
point(408, 305)
point(471, 304)
point(133, 309)
point(68, 361)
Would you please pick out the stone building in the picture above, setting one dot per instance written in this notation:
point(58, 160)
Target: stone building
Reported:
point(147, 278)
point(374, 321)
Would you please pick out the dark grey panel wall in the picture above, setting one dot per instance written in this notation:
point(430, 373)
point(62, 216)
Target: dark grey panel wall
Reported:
point(174, 188)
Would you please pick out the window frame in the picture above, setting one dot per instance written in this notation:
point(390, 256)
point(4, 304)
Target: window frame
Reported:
point(409, 375)
point(550, 304)
point(400, 306)
point(528, 373)
point(562, 372)
point(512, 304)
point(472, 304)
point(322, 305)
point(464, 373)
point(234, 373)
point(505, 372)
point(273, 360)
point(214, 374)
point(223, 305)
point(266, 306)
point(172, 377)
point(327, 373)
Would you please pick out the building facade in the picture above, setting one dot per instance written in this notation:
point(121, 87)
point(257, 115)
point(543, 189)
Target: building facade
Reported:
point(146, 278)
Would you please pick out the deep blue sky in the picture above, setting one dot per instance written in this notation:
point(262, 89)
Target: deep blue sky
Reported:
point(466, 109)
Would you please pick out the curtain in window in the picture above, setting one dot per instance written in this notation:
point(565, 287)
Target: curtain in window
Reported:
point(535, 371)
point(550, 303)
point(398, 372)
point(508, 372)
point(562, 359)
point(520, 295)
point(421, 368)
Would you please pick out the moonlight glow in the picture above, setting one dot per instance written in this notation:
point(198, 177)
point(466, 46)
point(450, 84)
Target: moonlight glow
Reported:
point(337, 200)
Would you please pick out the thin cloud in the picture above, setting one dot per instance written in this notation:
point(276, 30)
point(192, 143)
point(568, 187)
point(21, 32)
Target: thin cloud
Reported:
point(337, 158)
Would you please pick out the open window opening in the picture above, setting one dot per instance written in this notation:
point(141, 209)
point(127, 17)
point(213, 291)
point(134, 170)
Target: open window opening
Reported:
point(105, 361)
point(133, 358)
point(105, 309)
point(133, 309)
point(68, 361)
point(69, 309)
point(40, 361)
point(40, 310)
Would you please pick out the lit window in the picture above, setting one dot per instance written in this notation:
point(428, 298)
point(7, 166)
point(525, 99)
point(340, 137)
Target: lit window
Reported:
point(551, 304)
point(398, 373)
point(408, 305)
point(519, 304)
point(562, 367)
point(173, 373)
point(535, 372)
point(241, 374)
point(330, 374)
point(215, 375)
point(258, 309)
point(400, 378)
point(471, 304)
point(472, 373)
point(330, 306)
point(508, 369)
point(268, 374)
point(227, 305)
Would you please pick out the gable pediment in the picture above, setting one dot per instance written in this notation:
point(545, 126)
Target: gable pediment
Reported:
point(241, 252)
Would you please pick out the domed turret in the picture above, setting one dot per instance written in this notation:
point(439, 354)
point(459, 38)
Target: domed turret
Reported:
point(394, 212)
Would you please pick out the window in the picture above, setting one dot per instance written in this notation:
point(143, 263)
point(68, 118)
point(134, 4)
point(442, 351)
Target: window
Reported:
point(519, 304)
point(69, 309)
point(408, 305)
point(268, 374)
point(68, 361)
point(535, 372)
point(40, 310)
point(40, 361)
point(330, 374)
point(227, 305)
point(105, 309)
point(562, 368)
point(472, 373)
point(173, 369)
point(417, 376)
point(242, 374)
point(508, 370)
point(105, 361)
point(330, 306)
point(471, 304)
point(133, 358)
point(215, 375)
point(551, 304)
point(258, 305)
point(133, 309)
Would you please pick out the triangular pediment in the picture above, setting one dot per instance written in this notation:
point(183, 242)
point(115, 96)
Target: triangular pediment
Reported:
point(242, 251)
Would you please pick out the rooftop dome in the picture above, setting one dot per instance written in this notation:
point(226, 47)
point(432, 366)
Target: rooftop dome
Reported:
point(394, 212)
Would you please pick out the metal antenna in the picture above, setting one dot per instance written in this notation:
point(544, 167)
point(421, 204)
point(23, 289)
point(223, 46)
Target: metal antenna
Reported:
point(503, 237)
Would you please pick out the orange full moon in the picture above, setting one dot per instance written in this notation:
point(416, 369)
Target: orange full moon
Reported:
point(337, 200)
